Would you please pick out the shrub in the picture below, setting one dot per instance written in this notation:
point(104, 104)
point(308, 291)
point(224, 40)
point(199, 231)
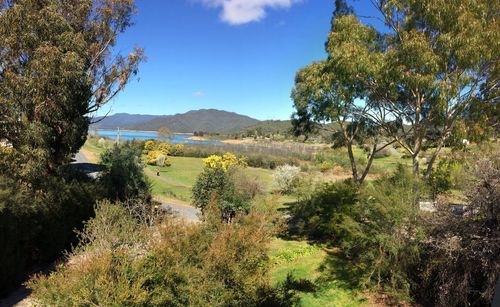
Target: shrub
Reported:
point(150, 145)
point(376, 228)
point(324, 167)
point(164, 148)
point(160, 160)
point(123, 177)
point(36, 226)
point(177, 150)
point(314, 215)
point(448, 174)
point(285, 178)
point(101, 143)
point(216, 184)
point(248, 188)
point(178, 264)
point(381, 234)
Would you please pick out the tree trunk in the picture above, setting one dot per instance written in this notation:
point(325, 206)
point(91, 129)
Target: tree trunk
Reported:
point(433, 159)
point(353, 161)
point(369, 164)
point(416, 165)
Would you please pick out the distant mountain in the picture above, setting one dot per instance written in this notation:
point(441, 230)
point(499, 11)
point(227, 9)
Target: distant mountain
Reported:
point(120, 120)
point(211, 120)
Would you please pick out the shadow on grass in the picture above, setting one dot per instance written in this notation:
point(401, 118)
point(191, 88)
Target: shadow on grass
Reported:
point(336, 267)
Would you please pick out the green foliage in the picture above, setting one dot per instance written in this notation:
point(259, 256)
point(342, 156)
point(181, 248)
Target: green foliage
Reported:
point(123, 176)
point(376, 228)
point(316, 213)
point(217, 185)
point(449, 174)
point(381, 233)
point(57, 67)
point(36, 226)
point(175, 264)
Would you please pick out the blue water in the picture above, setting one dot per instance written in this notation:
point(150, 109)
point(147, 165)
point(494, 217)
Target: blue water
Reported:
point(150, 135)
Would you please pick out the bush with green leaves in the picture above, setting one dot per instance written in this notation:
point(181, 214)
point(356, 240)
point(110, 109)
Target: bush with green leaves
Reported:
point(123, 176)
point(36, 226)
point(217, 183)
point(376, 228)
point(314, 215)
point(211, 263)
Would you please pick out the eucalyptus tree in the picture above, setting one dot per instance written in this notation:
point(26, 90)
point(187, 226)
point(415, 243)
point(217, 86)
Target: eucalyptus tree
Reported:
point(57, 67)
point(333, 91)
point(431, 62)
point(441, 58)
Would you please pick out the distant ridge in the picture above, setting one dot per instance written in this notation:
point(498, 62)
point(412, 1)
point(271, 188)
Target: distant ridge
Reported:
point(207, 120)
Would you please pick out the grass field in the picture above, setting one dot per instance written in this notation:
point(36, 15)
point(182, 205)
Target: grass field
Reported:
point(177, 180)
point(304, 261)
point(174, 183)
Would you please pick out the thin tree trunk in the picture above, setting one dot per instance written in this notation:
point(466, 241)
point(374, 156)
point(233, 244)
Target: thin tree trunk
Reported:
point(416, 165)
point(369, 164)
point(353, 161)
point(433, 158)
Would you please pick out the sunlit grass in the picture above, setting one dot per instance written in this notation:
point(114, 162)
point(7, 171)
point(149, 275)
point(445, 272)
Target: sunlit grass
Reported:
point(177, 180)
point(303, 261)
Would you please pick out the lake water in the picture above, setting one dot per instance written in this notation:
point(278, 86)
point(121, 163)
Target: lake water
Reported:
point(127, 135)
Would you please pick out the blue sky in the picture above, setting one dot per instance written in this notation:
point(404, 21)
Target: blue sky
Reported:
point(234, 55)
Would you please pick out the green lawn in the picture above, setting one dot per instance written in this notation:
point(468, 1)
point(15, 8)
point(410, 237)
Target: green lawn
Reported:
point(304, 261)
point(177, 180)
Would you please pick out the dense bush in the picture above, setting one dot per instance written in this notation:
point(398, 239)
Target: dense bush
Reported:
point(36, 226)
point(216, 183)
point(376, 228)
point(175, 264)
point(448, 174)
point(316, 212)
point(123, 177)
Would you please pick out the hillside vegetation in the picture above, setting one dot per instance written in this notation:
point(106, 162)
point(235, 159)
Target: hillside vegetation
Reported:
point(211, 120)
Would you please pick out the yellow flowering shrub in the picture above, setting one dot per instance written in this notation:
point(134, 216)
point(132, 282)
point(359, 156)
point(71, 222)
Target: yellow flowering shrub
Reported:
point(177, 149)
point(153, 156)
point(149, 145)
point(226, 161)
point(164, 148)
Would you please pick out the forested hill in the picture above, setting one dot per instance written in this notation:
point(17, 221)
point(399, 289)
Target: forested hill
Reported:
point(211, 120)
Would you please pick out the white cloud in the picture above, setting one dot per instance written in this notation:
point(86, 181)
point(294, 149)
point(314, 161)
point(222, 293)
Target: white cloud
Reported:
point(198, 94)
point(237, 12)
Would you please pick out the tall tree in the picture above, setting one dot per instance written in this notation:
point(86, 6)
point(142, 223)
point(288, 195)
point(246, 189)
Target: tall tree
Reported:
point(332, 91)
point(57, 66)
point(432, 62)
point(442, 57)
